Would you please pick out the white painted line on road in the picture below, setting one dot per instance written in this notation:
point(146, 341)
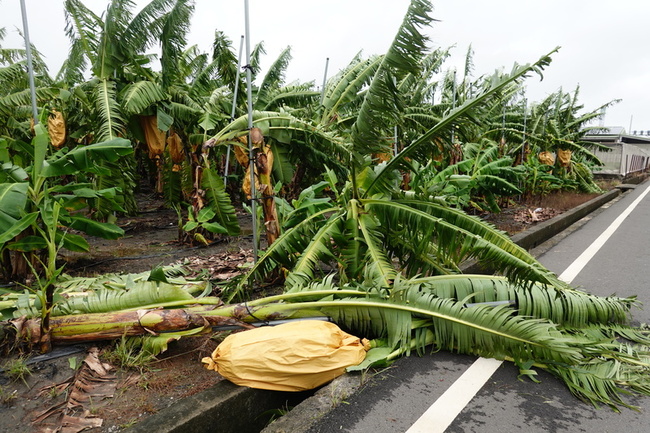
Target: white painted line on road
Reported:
point(446, 408)
point(574, 268)
point(444, 411)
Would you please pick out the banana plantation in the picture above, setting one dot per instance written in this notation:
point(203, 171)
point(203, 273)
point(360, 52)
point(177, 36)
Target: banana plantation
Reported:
point(367, 192)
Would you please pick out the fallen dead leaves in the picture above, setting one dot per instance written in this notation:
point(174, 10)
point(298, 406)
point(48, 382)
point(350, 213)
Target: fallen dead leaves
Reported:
point(530, 216)
point(92, 383)
point(219, 267)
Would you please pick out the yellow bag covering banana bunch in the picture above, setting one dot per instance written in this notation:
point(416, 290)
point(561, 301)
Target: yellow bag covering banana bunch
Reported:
point(294, 356)
point(155, 137)
point(176, 151)
point(564, 157)
point(242, 157)
point(56, 128)
point(546, 157)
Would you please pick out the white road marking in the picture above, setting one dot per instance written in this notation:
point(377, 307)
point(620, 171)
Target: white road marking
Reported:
point(574, 268)
point(444, 411)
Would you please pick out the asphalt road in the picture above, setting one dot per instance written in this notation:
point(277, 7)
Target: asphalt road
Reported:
point(396, 398)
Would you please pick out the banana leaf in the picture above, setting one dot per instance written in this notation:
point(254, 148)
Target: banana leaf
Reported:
point(84, 158)
point(13, 199)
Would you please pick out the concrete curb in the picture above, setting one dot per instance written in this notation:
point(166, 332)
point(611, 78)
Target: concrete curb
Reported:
point(229, 408)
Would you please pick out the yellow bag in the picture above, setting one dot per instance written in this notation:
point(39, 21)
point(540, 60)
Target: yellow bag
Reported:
point(155, 137)
point(564, 156)
point(176, 151)
point(546, 157)
point(56, 128)
point(294, 356)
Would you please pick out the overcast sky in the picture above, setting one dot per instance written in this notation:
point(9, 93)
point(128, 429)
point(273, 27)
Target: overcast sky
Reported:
point(604, 43)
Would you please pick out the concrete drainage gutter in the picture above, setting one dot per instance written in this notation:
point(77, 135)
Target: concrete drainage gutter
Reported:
point(230, 408)
point(224, 407)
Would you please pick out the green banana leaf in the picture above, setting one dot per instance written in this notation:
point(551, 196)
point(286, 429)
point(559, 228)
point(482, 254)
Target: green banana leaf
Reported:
point(17, 228)
point(13, 198)
point(219, 202)
point(95, 228)
point(84, 158)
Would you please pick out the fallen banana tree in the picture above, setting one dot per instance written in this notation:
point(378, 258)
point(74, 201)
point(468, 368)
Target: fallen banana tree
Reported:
point(582, 339)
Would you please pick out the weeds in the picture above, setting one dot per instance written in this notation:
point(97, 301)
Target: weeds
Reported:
point(17, 369)
point(220, 336)
point(274, 414)
point(53, 393)
point(128, 354)
point(6, 397)
point(128, 424)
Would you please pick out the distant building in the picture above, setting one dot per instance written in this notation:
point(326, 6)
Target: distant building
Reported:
point(629, 153)
point(616, 135)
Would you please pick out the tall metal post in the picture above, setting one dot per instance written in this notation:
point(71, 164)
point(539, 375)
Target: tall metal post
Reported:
point(251, 156)
point(523, 142)
point(234, 106)
point(631, 118)
point(525, 116)
point(503, 123)
point(453, 107)
point(30, 66)
point(322, 92)
point(523, 139)
point(395, 140)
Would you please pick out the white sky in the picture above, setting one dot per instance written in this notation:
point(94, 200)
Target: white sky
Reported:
point(604, 43)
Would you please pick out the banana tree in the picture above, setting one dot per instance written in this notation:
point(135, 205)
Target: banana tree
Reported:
point(39, 210)
point(114, 46)
point(551, 131)
point(285, 137)
point(373, 225)
point(15, 98)
point(559, 126)
point(478, 181)
point(568, 333)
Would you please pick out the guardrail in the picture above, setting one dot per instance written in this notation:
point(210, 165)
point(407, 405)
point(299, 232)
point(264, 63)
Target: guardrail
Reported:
point(636, 163)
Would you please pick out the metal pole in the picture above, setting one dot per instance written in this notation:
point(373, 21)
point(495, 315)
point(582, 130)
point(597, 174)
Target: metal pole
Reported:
point(30, 67)
point(453, 107)
point(631, 118)
point(251, 161)
point(395, 140)
point(523, 141)
point(322, 92)
point(234, 105)
point(453, 89)
point(503, 123)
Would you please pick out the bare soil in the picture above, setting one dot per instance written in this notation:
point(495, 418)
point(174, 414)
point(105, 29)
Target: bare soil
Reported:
point(527, 212)
point(151, 240)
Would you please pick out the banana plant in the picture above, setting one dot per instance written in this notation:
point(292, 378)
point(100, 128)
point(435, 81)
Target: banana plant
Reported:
point(553, 125)
point(15, 96)
point(478, 181)
point(568, 333)
point(122, 86)
point(373, 225)
point(38, 210)
point(216, 215)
